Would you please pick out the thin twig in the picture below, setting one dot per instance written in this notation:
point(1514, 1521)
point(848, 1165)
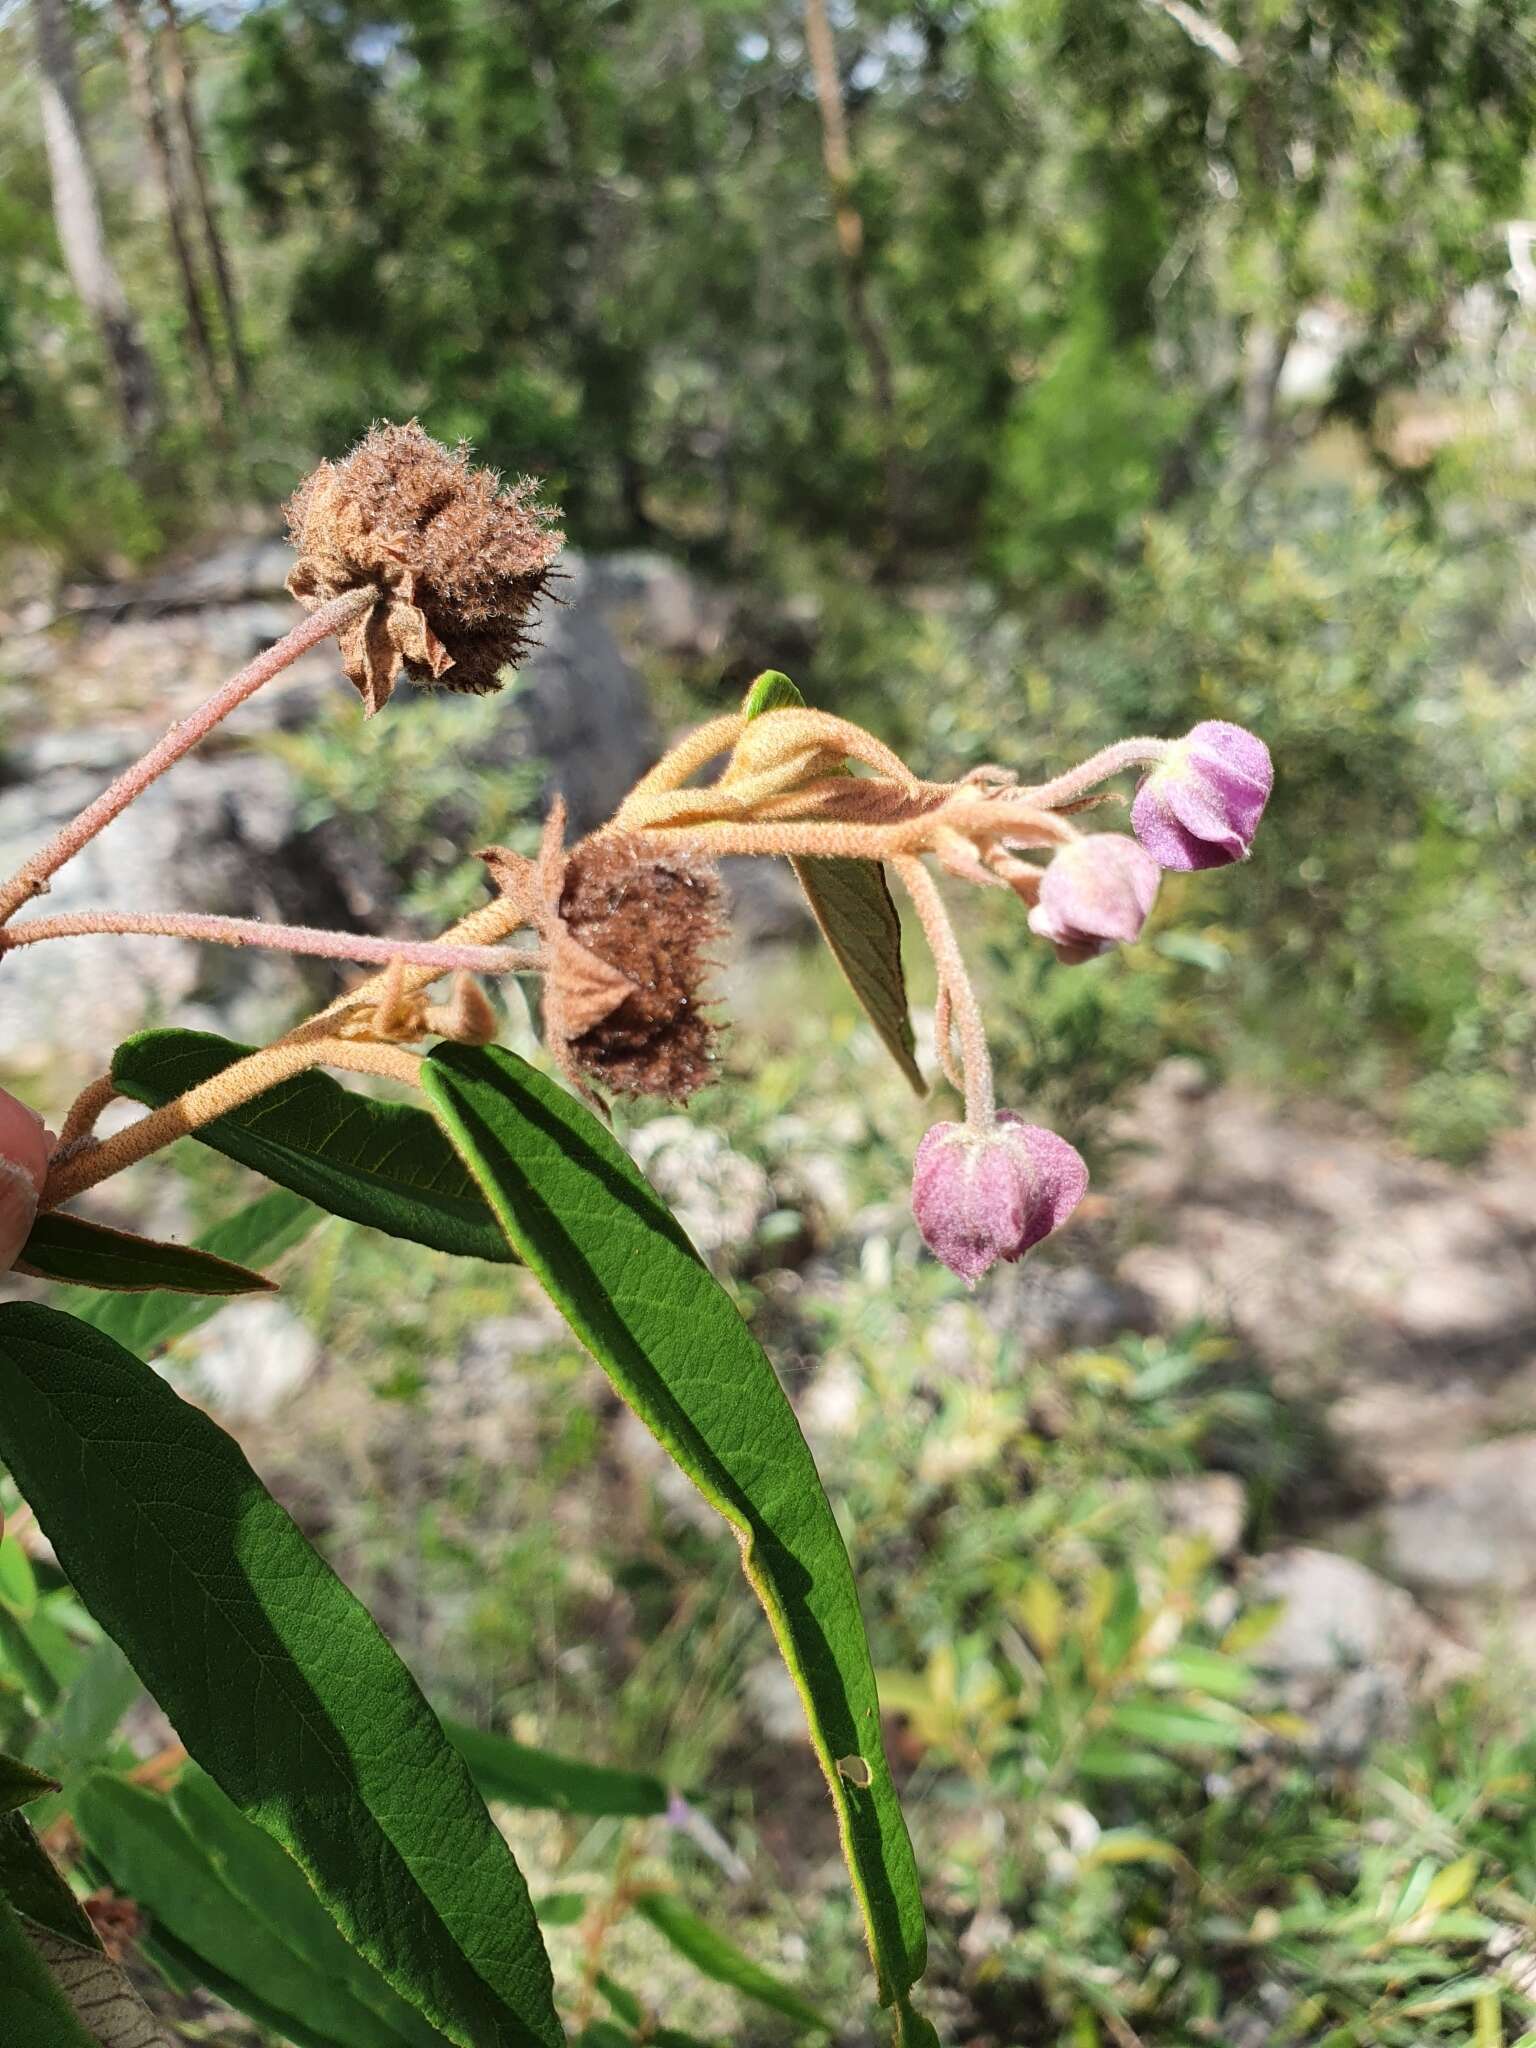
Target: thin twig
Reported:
point(235, 1086)
point(314, 1043)
point(85, 1110)
point(33, 878)
point(980, 1101)
point(1096, 769)
point(281, 938)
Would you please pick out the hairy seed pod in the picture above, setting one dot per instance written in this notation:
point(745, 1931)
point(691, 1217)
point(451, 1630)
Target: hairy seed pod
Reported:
point(625, 989)
point(460, 561)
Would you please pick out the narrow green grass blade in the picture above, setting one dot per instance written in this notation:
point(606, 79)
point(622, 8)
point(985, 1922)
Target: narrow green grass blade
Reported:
point(632, 1287)
point(714, 1956)
point(275, 1891)
point(520, 1776)
point(274, 1676)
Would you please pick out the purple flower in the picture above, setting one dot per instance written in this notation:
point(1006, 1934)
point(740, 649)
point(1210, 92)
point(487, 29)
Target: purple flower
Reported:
point(24, 1149)
point(1201, 804)
point(1095, 894)
point(980, 1195)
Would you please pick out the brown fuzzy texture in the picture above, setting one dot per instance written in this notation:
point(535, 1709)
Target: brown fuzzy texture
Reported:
point(651, 916)
point(460, 560)
point(118, 1923)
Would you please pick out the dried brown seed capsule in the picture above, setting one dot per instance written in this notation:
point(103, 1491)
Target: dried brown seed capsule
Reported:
point(625, 989)
point(460, 559)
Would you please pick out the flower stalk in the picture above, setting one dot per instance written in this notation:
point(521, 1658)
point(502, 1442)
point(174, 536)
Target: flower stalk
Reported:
point(958, 1009)
point(282, 938)
point(33, 878)
point(88, 1166)
point(420, 563)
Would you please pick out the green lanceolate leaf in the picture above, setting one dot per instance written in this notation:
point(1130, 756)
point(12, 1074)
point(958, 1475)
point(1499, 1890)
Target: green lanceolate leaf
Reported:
point(30, 1882)
point(154, 1860)
point(385, 1164)
point(21, 1653)
point(275, 1891)
point(33, 2007)
point(89, 1255)
point(851, 902)
point(716, 1957)
point(20, 1784)
point(81, 1726)
point(616, 1262)
point(253, 1236)
point(276, 1679)
point(185, 1970)
point(519, 1776)
point(100, 1992)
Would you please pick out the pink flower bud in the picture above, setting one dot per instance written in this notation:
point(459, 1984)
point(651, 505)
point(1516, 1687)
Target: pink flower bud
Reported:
point(24, 1149)
point(1095, 894)
point(983, 1195)
point(1201, 804)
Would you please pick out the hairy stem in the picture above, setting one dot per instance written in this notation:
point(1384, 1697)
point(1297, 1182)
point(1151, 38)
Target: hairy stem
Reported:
point(960, 1006)
point(484, 927)
point(33, 877)
point(281, 938)
point(811, 839)
point(315, 1043)
point(703, 745)
point(84, 1111)
point(1096, 769)
point(237, 1085)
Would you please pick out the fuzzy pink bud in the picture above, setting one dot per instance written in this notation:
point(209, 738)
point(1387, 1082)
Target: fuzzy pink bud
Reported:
point(980, 1195)
point(1095, 894)
point(1201, 804)
point(24, 1148)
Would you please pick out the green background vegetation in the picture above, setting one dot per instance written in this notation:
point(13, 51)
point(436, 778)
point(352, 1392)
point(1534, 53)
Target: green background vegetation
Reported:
point(1027, 479)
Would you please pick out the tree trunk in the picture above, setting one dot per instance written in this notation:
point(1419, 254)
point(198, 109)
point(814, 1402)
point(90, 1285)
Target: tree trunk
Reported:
point(146, 98)
point(837, 158)
point(177, 65)
point(77, 217)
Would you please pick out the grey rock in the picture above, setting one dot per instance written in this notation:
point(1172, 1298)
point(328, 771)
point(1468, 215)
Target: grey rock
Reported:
point(717, 1195)
point(251, 1358)
point(1399, 1290)
point(583, 708)
point(243, 569)
point(1212, 1506)
point(654, 601)
point(217, 838)
point(1069, 1308)
point(1350, 1651)
point(772, 1700)
point(1471, 1525)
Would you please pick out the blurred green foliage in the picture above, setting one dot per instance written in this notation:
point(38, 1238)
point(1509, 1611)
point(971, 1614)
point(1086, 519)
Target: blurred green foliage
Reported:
point(1204, 398)
point(1209, 398)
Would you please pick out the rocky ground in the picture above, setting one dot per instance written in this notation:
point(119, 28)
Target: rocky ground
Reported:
point(1395, 1298)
